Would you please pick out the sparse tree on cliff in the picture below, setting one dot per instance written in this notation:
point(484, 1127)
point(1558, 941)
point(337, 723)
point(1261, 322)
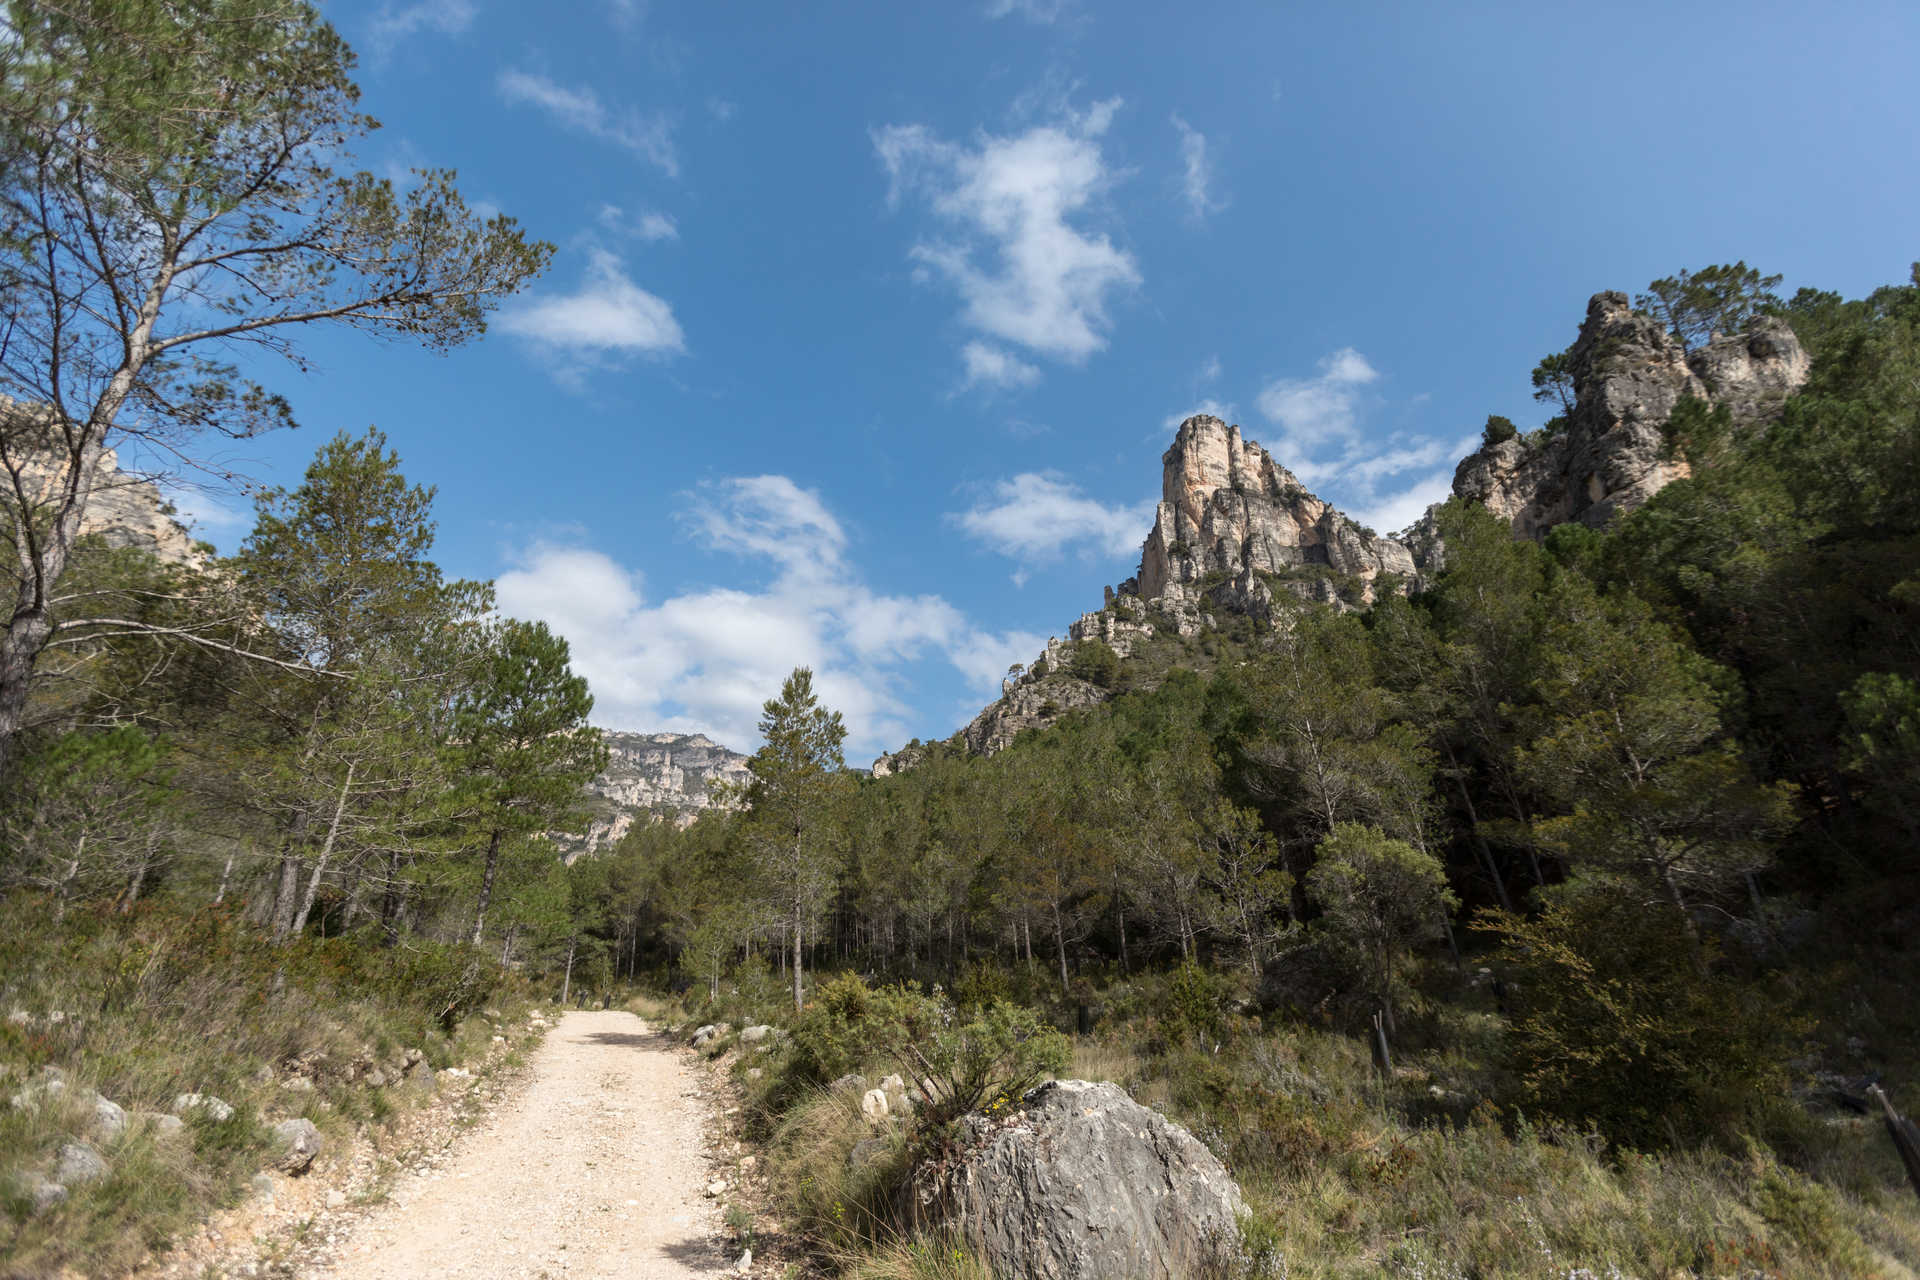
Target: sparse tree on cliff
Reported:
point(1694, 305)
point(169, 196)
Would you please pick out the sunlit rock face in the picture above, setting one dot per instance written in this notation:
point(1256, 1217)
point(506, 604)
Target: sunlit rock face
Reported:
point(649, 776)
point(1628, 375)
point(1228, 510)
point(122, 510)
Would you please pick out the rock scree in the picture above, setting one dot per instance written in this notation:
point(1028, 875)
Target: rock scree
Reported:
point(1083, 1183)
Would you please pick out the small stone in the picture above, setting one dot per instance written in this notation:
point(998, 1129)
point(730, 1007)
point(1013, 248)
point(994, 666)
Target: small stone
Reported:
point(298, 1142)
point(78, 1162)
point(336, 1199)
point(20, 1018)
point(109, 1119)
point(163, 1125)
point(297, 1084)
point(755, 1073)
point(217, 1111)
point(745, 1264)
point(873, 1105)
point(851, 1084)
point(414, 1057)
point(46, 1195)
point(754, 1035)
point(716, 1188)
point(263, 1185)
point(377, 1079)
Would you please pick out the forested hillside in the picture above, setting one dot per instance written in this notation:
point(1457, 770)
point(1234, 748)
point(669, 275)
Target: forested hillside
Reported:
point(1610, 835)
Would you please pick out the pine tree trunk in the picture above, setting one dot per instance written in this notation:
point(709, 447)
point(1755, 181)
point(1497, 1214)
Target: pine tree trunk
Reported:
point(486, 885)
point(798, 988)
point(1060, 940)
point(566, 983)
point(326, 852)
point(139, 881)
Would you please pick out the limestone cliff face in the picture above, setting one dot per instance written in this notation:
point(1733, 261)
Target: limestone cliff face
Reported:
point(1228, 511)
point(123, 510)
point(648, 774)
point(1628, 374)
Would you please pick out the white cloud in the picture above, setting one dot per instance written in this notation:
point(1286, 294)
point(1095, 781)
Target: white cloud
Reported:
point(1393, 512)
point(1196, 183)
point(991, 366)
point(1211, 370)
point(1035, 517)
point(627, 14)
point(647, 225)
point(1319, 410)
point(1024, 272)
point(648, 136)
point(609, 316)
point(392, 25)
point(705, 659)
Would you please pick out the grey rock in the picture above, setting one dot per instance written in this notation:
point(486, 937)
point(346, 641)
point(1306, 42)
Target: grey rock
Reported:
point(297, 1084)
point(109, 1118)
point(709, 1032)
point(375, 1079)
point(336, 1199)
point(1628, 375)
point(46, 1196)
point(873, 1106)
point(77, 1163)
point(754, 1035)
point(163, 1125)
point(263, 1185)
point(215, 1109)
point(649, 774)
point(1083, 1183)
point(296, 1143)
point(848, 1084)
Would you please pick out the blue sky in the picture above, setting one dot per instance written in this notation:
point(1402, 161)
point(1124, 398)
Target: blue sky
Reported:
point(869, 323)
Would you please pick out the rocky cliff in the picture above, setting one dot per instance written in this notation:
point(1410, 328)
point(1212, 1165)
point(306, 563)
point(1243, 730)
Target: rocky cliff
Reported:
point(1234, 527)
point(1628, 374)
point(123, 510)
point(1231, 520)
point(648, 775)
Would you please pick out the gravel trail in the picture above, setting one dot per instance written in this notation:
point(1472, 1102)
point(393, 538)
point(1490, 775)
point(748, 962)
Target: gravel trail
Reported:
point(598, 1169)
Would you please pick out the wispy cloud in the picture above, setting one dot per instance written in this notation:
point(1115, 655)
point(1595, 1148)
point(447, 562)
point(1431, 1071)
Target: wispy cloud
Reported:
point(1034, 517)
point(995, 367)
point(578, 107)
point(608, 318)
point(646, 225)
point(1196, 183)
point(1316, 411)
point(1212, 408)
point(704, 660)
point(1014, 250)
point(392, 24)
point(1039, 12)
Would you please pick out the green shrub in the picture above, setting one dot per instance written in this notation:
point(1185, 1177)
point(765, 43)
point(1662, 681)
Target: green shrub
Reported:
point(1622, 1024)
point(1498, 430)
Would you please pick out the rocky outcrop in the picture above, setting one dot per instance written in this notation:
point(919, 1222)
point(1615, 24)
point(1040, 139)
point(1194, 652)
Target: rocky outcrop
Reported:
point(1228, 512)
point(1628, 374)
point(1083, 1182)
point(122, 510)
point(651, 776)
point(1031, 703)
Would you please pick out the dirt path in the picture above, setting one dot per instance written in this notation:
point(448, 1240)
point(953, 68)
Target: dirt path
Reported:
point(596, 1170)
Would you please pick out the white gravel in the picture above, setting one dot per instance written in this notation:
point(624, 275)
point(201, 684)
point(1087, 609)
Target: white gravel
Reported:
point(598, 1169)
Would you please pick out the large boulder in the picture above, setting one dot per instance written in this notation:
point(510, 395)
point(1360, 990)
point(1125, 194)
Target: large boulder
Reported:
point(76, 1163)
point(1083, 1183)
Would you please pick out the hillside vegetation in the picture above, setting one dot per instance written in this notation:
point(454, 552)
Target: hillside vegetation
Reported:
point(1611, 838)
